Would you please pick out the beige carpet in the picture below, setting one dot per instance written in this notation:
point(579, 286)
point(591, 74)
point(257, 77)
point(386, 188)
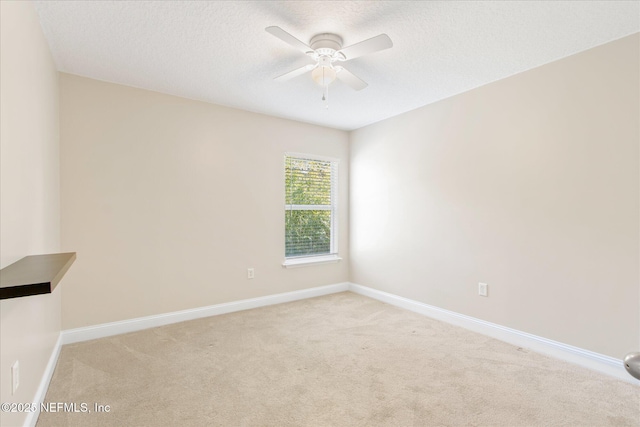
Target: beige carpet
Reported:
point(337, 360)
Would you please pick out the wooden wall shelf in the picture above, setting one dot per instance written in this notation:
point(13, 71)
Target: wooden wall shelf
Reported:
point(34, 275)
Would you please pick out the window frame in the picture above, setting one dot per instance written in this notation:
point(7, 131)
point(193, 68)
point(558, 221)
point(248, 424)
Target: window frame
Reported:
point(332, 256)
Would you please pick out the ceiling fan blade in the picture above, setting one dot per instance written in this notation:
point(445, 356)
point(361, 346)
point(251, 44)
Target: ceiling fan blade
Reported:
point(374, 44)
point(295, 73)
point(351, 79)
point(289, 39)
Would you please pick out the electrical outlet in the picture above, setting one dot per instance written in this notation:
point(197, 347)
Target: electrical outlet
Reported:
point(251, 273)
point(483, 289)
point(15, 377)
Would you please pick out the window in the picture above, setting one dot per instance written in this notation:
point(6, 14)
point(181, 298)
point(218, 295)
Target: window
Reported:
point(310, 209)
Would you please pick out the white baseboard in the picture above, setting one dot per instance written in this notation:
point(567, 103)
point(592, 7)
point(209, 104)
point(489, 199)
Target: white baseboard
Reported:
point(585, 358)
point(41, 392)
point(115, 328)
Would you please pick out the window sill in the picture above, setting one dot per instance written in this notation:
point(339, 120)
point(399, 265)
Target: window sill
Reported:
point(304, 261)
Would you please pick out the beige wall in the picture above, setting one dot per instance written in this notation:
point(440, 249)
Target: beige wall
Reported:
point(530, 184)
point(29, 195)
point(168, 201)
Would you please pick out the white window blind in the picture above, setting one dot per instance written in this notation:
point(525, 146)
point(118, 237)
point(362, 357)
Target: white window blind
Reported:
point(310, 206)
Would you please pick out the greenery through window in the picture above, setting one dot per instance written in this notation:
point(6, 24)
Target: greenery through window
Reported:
point(310, 206)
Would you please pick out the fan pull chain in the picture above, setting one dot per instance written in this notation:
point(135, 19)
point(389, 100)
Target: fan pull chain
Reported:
point(325, 96)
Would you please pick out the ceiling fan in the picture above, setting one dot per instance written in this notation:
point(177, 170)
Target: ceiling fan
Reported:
point(326, 50)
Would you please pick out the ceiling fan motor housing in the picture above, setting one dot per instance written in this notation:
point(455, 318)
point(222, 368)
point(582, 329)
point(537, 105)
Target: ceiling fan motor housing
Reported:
point(326, 44)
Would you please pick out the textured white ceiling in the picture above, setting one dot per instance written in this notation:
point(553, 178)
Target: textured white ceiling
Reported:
point(219, 51)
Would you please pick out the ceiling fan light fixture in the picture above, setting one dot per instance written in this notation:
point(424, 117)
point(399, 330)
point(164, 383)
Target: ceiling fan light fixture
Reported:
point(323, 75)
